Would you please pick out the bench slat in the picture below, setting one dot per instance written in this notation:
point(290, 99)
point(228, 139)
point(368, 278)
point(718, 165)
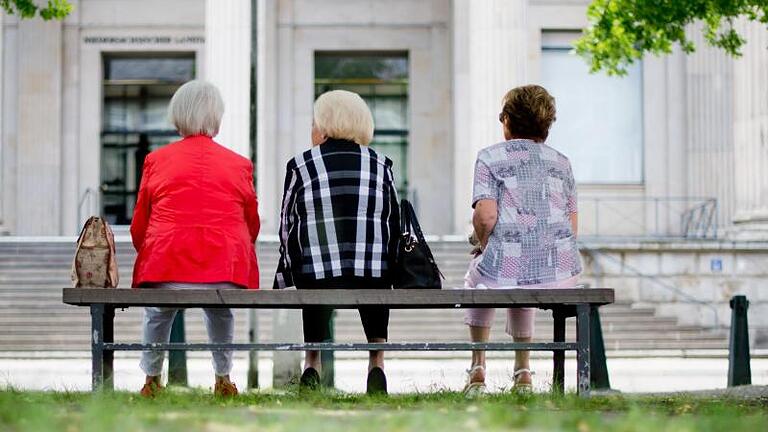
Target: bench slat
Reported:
point(341, 299)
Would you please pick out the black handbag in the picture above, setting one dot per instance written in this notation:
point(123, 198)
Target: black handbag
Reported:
point(415, 266)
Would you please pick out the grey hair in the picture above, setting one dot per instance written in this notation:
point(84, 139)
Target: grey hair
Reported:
point(343, 114)
point(196, 109)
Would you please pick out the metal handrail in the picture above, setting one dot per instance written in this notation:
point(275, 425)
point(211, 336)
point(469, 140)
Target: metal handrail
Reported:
point(689, 299)
point(698, 219)
point(88, 195)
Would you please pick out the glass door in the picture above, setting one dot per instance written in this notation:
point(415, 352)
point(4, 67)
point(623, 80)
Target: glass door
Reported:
point(381, 79)
point(137, 90)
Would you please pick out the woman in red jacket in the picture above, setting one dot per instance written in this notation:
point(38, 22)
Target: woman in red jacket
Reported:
point(194, 226)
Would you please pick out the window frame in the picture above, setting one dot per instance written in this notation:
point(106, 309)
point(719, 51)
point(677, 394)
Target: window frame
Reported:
point(404, 185)
point(109, 138)
point(560, 40)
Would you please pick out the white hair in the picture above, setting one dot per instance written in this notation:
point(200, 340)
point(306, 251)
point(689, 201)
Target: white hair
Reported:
point(196, 109)
point(342, 114)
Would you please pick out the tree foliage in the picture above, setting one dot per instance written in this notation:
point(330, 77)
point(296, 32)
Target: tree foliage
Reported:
point(54, 9)
point(622, 31)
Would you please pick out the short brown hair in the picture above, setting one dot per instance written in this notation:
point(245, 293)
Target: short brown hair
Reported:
point(529, 111)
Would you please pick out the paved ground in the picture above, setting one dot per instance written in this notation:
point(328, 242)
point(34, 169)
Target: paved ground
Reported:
point(751, 392)
point(650, 375)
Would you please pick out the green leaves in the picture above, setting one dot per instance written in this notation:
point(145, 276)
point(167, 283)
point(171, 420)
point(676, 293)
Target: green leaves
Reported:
point(623, 31)
point(26, 9)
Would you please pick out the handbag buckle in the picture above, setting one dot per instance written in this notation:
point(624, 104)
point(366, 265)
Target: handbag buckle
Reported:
point(410, 241)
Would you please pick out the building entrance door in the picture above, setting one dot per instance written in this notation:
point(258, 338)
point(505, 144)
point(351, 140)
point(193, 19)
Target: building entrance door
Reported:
point(381, 79)
point(137, 89)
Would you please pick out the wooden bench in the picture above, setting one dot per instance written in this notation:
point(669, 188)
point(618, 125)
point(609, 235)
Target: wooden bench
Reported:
point(562, 302)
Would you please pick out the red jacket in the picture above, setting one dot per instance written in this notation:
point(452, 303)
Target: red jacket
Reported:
point(196, 217)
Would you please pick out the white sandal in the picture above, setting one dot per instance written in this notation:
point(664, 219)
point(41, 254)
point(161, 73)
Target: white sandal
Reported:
point(522, 387)
point(474, 388)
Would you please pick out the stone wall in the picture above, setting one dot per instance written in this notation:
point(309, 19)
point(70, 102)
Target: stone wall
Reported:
point(690, 280)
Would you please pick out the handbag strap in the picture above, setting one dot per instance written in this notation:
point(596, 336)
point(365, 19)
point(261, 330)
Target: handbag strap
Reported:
point(406, 215)
point(410, 221)
point(82, 231)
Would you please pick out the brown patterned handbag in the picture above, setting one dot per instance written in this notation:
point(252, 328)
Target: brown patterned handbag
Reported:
point(95, 264)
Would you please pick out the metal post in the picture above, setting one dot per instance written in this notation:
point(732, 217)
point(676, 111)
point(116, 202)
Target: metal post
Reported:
point(109, 355)
point(328, 378)
point(97, 346)
point(286, 365)
point(253, 355)
point(599, 369)
point(739, 370)
point(582, 351)
point(558, 356)
point(177, 359)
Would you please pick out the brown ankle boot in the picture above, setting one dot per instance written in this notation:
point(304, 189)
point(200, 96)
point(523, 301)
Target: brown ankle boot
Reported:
point(225, 389)
point(151, 389)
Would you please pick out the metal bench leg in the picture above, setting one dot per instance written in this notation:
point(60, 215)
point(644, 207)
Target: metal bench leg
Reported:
point(109, 356)
point(558, 357)
point(582, 352)
point(97, 346)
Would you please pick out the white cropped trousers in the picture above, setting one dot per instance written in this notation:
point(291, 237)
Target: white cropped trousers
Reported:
point(219, 322)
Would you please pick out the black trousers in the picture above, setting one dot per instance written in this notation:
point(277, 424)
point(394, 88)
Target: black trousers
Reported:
point(316, 320)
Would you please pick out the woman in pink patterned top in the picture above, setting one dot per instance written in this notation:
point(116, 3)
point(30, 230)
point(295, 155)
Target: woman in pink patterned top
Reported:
point(524, 196)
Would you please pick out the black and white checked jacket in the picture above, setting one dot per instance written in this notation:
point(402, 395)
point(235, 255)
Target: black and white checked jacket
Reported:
point(340, 215)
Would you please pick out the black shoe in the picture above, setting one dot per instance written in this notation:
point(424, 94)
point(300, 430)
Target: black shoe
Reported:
point(377, 382)
point(310, 379)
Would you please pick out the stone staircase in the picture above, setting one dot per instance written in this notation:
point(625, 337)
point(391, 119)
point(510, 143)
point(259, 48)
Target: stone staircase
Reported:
point(33, 318)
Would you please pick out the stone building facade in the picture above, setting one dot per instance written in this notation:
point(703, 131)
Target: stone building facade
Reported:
point(648, 149)
point(82, 100)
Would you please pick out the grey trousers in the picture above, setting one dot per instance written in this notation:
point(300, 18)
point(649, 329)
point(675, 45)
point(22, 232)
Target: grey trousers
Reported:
point(219, 322)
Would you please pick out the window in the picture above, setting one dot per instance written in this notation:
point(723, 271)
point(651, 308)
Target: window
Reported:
point(381, 79)
point(137, 90)
point(599, 118)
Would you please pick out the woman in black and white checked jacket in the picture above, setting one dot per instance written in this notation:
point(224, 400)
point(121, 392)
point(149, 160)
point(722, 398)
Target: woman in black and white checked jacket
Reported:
point(339, 223)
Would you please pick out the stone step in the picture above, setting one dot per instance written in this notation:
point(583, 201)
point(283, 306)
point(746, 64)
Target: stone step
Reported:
point(10, 313)
point(431, 317)
point(453, 330)
point(33, 317)
point(22, 344)
point(47, 300)
point(80, 334)
point(446, 255)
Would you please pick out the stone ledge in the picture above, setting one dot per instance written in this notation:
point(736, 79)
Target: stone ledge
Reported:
point(674, 245)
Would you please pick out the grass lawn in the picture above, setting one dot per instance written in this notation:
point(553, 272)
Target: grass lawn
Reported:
point(328, 411)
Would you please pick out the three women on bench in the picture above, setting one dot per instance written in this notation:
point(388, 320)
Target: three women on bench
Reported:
point(196, 221)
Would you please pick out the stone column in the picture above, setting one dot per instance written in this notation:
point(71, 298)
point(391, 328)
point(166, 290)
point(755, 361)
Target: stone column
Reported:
point(72, 217)
point(3, 230)
point(489, 58)
point(228, 66)
point(710, 147)
point(38, 180)
point(276, 94)
point(751, 134)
